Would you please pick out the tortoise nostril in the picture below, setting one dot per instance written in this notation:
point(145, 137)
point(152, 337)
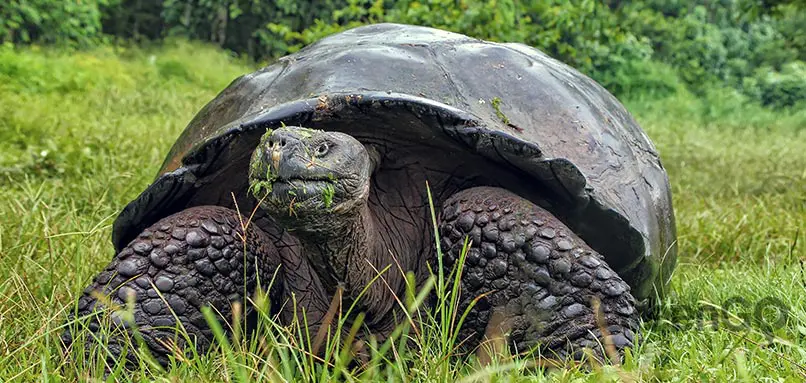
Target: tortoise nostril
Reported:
point(282, 142)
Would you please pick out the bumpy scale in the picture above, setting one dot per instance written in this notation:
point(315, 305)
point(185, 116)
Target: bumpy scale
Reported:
point(536, 274)
point(192, 258)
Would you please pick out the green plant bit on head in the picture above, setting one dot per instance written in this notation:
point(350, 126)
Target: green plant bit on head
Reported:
point(260, 186)
point(266, 135)
point(327, 195)
point(497, 106)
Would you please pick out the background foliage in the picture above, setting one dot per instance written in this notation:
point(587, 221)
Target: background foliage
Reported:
point(637, 49)
point(84, 132)
point(715, 84)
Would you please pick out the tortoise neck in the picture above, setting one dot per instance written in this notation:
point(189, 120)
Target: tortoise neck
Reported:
point(333, 243)
point(358, 256)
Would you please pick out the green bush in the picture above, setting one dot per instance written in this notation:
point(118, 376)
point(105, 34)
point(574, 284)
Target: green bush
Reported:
point(238, 25)
point(779, 89)
point(71, 22)
point(647, 48)
point(636, 49)
point(638, 79)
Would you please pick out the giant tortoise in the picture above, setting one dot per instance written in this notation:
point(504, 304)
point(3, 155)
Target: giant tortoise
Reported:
point(314, 176)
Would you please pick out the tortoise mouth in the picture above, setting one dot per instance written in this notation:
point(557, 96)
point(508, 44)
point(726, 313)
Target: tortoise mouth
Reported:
point(301, 178)
point(298, 190)
point(302, 184)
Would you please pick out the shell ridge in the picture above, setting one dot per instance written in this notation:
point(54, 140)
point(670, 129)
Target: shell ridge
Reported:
point(439, 64)
point(268, 87)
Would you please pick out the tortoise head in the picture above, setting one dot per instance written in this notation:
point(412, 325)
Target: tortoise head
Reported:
point(306, 174)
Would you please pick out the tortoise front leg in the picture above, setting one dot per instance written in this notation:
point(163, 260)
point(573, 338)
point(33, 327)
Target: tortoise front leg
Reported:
point(541, 281)
point(197, 257)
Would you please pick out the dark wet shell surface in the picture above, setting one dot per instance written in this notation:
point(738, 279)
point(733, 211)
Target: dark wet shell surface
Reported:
point(507, 102)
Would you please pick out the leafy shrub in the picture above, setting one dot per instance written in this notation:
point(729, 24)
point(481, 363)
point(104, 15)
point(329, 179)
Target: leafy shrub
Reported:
point(789, 22)
point(779, 89)
point(71, 22)
point(637, 79)
point(647, 48)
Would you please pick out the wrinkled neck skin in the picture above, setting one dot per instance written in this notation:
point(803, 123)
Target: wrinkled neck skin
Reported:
point(351, 248)
point(330, 241)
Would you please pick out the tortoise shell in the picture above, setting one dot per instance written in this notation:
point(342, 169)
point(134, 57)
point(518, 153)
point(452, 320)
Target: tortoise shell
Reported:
point(443, 103)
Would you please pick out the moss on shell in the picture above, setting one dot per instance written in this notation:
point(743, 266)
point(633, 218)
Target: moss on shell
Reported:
point(497, 106)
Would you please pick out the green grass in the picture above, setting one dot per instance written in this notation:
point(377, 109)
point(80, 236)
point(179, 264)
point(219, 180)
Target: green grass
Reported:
point(81, 134)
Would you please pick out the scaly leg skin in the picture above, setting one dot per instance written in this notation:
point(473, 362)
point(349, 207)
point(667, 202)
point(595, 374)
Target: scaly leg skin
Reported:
point(542, 281)
point(188, 260)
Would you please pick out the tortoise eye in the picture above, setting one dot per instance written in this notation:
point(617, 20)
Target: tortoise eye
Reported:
point(322, 149)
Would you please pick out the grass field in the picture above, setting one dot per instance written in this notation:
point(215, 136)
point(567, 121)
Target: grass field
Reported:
point(82, 134)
